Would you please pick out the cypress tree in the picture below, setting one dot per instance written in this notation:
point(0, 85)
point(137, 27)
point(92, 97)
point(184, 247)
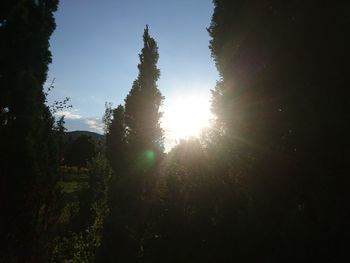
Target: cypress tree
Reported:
point(134, 145)
point(142, 114)
point(281, 106)
point(29, 148)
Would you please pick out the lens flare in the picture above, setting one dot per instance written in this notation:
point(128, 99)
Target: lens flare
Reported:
point(146, 160)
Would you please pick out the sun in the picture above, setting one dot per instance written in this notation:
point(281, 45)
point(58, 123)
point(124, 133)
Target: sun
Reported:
point(185, 116)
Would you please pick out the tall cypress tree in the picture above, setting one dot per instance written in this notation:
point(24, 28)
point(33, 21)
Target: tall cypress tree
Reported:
point(142, 114)
point(134, 144)
point(29, 152)
point(281, 104)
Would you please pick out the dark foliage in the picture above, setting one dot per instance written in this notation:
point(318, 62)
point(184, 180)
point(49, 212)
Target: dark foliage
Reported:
point(142, 115)
point(80, 152)
point(134, 147)
point(116, 140)
point(29, 145)
point(281, 112)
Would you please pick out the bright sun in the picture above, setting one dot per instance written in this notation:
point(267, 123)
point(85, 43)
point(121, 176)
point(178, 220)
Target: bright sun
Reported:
point(186, 116)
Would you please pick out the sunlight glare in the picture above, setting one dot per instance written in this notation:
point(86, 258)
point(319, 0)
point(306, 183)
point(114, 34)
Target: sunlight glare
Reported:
point(186, 116)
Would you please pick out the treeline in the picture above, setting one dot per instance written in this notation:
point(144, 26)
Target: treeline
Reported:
point(268, 182)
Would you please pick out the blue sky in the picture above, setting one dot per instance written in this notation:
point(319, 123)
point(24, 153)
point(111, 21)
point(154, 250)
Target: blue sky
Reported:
point(95, 51)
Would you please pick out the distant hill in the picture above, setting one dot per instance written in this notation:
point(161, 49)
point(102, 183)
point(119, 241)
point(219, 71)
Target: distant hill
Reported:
point(71, 136)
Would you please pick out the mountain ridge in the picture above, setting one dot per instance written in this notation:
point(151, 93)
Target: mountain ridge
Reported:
point(73, 135)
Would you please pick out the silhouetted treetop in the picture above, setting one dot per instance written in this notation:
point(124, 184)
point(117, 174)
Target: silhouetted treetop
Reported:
point(142, 104)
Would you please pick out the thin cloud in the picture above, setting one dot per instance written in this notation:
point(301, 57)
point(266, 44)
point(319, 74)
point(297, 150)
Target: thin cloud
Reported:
point(68, 115)
point(95, 124)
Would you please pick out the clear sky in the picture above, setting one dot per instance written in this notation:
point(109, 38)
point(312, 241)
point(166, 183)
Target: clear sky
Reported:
point(95, 51)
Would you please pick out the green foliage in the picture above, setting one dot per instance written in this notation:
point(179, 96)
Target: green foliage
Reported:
point(81, 245)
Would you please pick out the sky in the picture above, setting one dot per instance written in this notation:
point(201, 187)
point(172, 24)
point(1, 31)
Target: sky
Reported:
point(95, 51)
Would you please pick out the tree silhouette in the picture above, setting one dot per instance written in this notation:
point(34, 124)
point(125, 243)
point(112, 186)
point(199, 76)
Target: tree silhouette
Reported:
point(116, 140)
point(142, 115)
point(29, 150)
point(278, 87)
point(134, 147)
